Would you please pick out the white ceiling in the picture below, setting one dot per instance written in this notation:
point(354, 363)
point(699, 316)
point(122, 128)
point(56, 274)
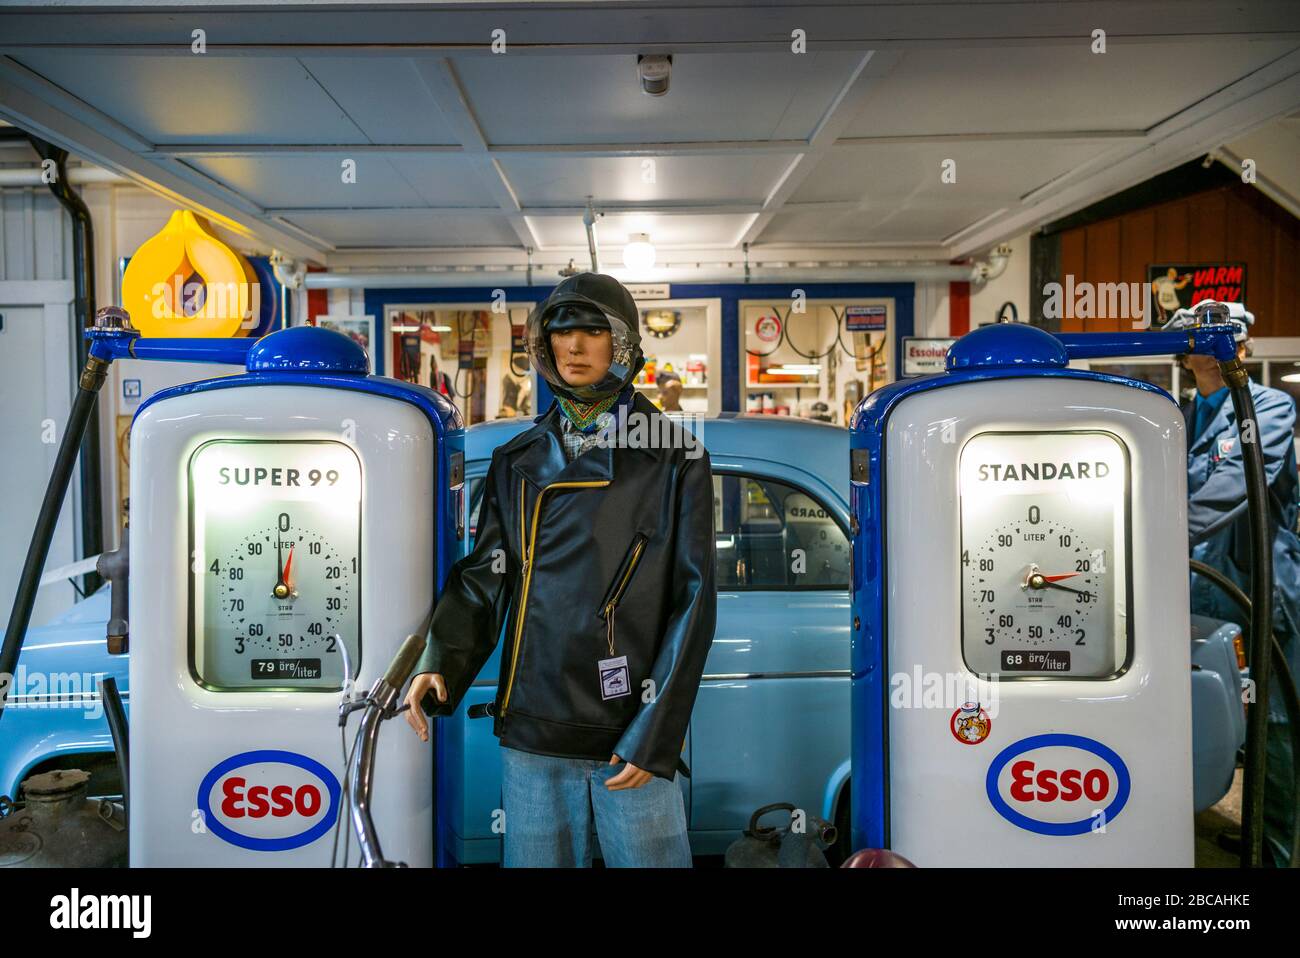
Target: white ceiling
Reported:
point(1056, 89)
point(843, 145)
point(1275, 149)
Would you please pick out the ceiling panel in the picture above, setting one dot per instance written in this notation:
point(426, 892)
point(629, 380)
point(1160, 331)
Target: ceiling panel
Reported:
point(563, 181)
point(202, 99)
point(443, 180)
point(612, 231)
point(379, 230)
point(384, 96)
point(316, 180)
point(874, 226)
point(1132, 86)
point(589, 99)
point(904, 173)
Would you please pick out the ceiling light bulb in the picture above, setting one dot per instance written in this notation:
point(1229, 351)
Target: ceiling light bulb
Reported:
point(639, 254)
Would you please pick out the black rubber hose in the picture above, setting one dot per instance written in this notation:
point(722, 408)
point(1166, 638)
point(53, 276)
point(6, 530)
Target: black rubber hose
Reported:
point(813, 357)
point(92, 379)
point(1285, 680)
point(1261, 610)
point(116, 716)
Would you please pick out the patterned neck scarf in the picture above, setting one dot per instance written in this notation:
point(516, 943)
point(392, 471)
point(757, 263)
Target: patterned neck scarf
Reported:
point(586, 416)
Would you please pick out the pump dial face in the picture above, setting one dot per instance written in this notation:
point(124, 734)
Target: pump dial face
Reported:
point(1044, 554)
point(277, 564)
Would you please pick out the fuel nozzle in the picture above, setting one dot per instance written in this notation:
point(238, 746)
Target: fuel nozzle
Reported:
point(1215, 328)
point(116, 568)
point(109, 321)
point(1214, 313)
point(112, 317)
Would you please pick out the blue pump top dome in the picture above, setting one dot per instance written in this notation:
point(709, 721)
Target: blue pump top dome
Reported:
point(308, 349)
point(1004, 345)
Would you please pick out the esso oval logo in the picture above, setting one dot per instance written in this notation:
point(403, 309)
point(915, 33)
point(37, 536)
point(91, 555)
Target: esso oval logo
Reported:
point(269, 800)
point(1058, 784)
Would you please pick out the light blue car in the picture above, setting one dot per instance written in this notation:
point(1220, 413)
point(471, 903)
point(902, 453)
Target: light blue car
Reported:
point(771, 719)
point(771, 722)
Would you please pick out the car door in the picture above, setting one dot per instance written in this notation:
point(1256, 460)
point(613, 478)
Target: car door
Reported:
point(771, 722)
point(469, 757)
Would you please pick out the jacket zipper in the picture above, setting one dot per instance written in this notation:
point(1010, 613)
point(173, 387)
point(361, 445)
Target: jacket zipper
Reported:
point(528, 569)
point(618, 593)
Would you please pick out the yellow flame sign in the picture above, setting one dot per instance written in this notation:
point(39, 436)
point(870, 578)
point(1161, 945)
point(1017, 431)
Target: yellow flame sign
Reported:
point(184, 282)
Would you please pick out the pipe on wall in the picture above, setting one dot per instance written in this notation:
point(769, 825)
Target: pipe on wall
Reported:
point(78, 174)
point(462, 276)
point(589, 224)
point(83, 279)
point(985, 273)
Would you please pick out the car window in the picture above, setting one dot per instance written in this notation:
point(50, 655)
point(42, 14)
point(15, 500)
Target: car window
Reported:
point(472, 504)
point(775, 536)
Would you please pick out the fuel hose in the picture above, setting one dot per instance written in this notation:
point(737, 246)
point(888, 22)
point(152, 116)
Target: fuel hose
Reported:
point(92, 379)
point(1261, 608)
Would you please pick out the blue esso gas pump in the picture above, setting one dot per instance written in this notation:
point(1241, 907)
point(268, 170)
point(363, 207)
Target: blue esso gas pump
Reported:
point(289, 529)
point(1020, 689)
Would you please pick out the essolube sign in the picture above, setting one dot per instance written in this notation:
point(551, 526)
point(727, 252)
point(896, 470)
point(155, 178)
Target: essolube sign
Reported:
point(269, 800)
point(1058, 784)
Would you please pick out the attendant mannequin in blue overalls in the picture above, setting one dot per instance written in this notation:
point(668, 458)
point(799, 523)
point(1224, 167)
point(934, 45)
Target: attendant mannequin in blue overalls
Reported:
point(1220, 537)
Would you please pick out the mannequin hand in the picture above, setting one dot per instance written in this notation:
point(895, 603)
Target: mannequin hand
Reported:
point(419, 685)
point(630, 777)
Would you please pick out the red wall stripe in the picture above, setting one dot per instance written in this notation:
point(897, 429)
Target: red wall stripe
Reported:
point(318, 300)
point(958, 308)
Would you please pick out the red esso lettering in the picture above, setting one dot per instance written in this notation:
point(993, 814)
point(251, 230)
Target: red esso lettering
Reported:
point(283, 801)
point(1048, 785)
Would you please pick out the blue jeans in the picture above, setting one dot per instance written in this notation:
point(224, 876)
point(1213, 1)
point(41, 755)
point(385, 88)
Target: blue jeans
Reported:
point(550, 802)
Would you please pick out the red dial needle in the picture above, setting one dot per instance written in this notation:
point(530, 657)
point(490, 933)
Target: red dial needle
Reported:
point(1046, 578)
point(288, 567)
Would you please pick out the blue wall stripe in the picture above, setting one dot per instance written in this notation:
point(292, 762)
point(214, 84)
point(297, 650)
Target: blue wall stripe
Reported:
point(730, 295)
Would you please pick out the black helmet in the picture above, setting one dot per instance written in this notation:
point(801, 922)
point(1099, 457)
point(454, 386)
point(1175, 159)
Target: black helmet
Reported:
point(591, 301)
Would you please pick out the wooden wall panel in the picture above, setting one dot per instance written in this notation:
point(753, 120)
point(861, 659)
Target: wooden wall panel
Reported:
point(1206, 227)
point(1074, 262)
point(1248, 238)
point(1137, 247)
point(1286, 285)
point(1234, 223)
point(1103, 267)
point(1171, 234)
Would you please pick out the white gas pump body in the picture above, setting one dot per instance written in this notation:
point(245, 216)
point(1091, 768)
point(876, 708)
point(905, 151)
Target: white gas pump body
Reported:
point(968, 756)
point(255, 776)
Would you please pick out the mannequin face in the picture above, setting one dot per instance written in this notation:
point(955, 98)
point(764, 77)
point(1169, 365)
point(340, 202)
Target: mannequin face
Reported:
point(582, 356)
point(670, 395)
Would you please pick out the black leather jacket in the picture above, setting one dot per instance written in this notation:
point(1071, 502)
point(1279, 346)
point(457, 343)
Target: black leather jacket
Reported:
point(616, 547)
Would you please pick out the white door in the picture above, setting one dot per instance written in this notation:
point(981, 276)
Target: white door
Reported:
point(35, 397)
